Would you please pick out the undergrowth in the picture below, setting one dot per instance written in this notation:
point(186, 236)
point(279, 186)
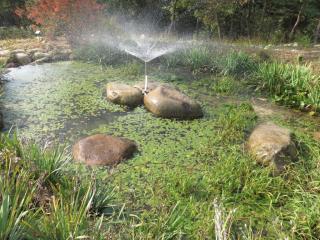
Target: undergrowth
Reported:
point(41, 199)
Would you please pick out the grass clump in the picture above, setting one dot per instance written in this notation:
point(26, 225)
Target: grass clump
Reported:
point(42, 198)
point(238, 64)
point(291, 85)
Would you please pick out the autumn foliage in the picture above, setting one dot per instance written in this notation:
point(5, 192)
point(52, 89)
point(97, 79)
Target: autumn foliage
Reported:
point(72, 17)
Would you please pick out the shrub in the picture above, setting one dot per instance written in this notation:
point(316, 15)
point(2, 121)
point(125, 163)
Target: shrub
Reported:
point(74, 17)
point(238, 64)
point(291, 85)
point(14, 32)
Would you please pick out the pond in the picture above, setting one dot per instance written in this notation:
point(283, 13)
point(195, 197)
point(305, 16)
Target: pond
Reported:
point(64, 101)
point(57, 101)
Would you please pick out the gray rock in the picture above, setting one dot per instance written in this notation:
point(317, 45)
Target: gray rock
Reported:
point(34, 50)
point(124, 94)
point(103, 150)
point(22, 59)
point(273, 146)
point(40, 55)
point(17, 51)
point(42, 60)
point(168, 102)
point(4, 53)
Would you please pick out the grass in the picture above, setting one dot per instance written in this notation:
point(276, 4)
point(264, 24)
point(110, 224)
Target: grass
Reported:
point(291, 85)
point(38, 193)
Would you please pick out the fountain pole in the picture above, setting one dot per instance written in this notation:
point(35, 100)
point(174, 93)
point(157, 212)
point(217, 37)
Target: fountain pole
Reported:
point(146, 78)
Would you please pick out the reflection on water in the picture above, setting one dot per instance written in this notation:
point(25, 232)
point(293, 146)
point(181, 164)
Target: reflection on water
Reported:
point(56, 101)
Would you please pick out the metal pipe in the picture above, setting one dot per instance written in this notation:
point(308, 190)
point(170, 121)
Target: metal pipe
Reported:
point(146, 78)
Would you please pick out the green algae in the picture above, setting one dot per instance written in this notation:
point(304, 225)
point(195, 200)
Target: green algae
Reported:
point(46, 98)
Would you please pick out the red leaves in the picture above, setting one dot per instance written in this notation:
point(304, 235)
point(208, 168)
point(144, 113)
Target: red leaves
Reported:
point(57, 16)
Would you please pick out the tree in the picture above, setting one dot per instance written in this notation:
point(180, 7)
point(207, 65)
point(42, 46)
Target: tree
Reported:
point(73, 17)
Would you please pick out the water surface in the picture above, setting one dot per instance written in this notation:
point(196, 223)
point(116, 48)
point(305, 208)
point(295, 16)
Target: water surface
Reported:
point(57, 101)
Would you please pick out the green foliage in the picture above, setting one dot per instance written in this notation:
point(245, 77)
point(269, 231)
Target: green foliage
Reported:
point(303, 40)
point(14, 33)
point(99, 54)
point(292, 85)
point(27, 176)
point(197, 57)
point(68, 213)
point(238, 64)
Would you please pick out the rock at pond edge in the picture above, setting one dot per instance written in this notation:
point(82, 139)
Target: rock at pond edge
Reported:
point(103, 150)
point(124, 94)
point(167, 102)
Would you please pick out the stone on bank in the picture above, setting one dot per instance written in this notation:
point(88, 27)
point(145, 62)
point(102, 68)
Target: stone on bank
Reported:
point(272, 145)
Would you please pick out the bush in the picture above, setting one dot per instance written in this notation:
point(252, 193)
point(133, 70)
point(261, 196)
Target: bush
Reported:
point(14, 32)
point(291, 85)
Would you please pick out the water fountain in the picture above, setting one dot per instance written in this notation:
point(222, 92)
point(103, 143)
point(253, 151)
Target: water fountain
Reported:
point(147, 48)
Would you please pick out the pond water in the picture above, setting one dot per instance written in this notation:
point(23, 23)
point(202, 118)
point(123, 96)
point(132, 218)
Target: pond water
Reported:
point(57, 101)
point(64, 101)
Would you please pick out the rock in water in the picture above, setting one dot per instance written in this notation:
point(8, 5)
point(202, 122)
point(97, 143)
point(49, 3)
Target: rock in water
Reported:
point(168, 102)
point(19, 58)
point(103, 150)
point(272, 145)
point(124, 94)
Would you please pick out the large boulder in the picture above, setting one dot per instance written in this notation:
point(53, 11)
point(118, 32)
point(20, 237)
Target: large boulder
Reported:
point(103, 150)
point(124, 94)
point(19, 58)
point(168, 102)
point(22, 58)
point(272, 145)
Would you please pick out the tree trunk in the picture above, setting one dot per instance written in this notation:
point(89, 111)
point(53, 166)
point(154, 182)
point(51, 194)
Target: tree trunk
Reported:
point(264, 10)
point(317, 33)
point(173, 15)
point(293, 30)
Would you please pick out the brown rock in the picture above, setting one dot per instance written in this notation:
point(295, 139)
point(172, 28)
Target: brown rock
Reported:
point(168, 102)
point(272, 145)
point(124, 94)
point(103, 150)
